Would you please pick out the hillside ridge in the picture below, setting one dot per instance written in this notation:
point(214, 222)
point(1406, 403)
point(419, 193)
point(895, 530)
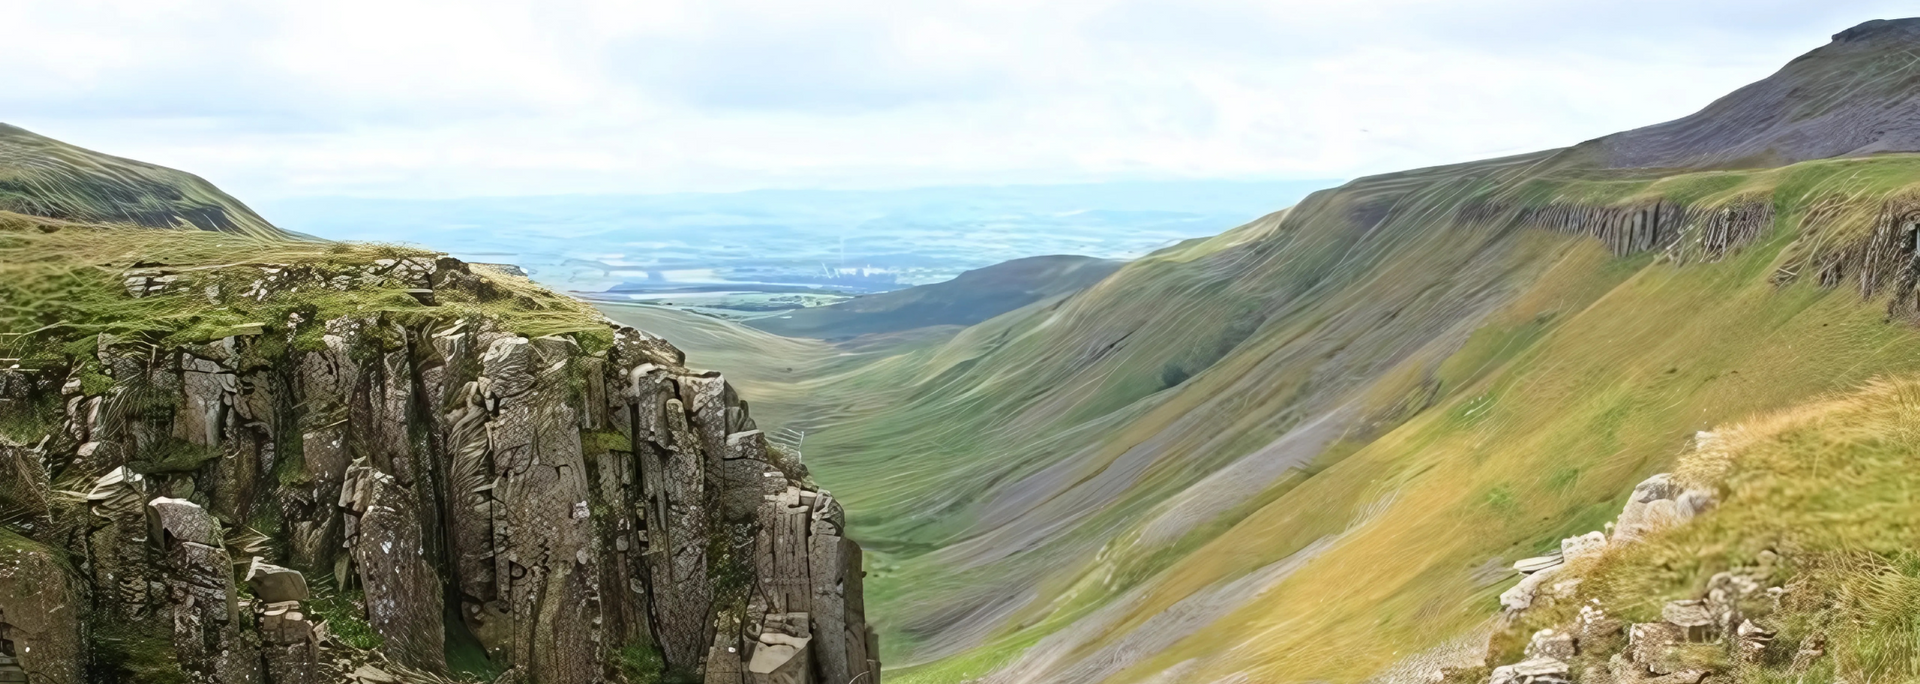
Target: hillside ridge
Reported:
point(40, 176)
point(1314, 444)
point(969, 298)
point(1857, 95)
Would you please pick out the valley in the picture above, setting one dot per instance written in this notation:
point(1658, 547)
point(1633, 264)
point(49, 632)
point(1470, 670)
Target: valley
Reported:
point(1309, 448)
point(1641, 409)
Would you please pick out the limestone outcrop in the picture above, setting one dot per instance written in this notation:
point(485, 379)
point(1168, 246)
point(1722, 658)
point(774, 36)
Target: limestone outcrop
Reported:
point(1681, 232)
point(1726, 623)
point(343, 499)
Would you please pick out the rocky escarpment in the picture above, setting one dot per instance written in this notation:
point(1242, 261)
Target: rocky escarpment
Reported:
point(1683, 232)
point(1873, 248)
point(403, 493)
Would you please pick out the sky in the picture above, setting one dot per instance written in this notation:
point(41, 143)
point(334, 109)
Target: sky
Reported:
point(410, 99)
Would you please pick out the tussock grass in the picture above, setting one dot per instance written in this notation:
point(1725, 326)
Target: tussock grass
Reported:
point(1829, 487)
point(62, 283)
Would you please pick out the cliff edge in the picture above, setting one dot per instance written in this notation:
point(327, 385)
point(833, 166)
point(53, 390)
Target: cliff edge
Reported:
point(228, 458)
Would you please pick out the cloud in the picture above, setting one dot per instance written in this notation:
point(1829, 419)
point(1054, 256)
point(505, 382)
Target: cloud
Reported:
point(807, 61)
point(424, 99)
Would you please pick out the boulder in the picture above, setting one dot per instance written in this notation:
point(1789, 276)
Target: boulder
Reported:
point(1693, 618)
point(1650, 646)
point(1521, 596)
point(208, 638)
point(781, 655)
point(186, 521)
point(1548, 643)
point(274, 584)
point(386, 544)
point(1531, 671)
point(1528, 566)
point(1655, 488)
point(1584, 546)
point(1656, 504)
point(1751, 640)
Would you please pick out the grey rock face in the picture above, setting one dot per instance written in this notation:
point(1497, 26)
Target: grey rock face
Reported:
point(274, 584)
point(389, 558)
point(40, 615)
point(428, 477)
point(208, 637)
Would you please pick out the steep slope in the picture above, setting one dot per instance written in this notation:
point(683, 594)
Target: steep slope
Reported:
point(1779, 549)
point(969, 298)
point(235, 458)
point(1858, 95)
point(1309, 448)
point(40, 176)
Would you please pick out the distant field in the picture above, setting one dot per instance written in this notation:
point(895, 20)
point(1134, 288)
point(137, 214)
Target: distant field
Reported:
point(922, 235)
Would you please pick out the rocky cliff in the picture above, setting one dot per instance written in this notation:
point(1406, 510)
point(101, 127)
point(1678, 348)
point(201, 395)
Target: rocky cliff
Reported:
point(244, 461)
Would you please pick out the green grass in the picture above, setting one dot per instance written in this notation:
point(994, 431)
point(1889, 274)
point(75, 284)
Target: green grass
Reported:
point(1557, 376)
point(642, 664)
point(1827, 487)
point(138, 651)
point(345, 615)
point(60, 288)
point(44, 177)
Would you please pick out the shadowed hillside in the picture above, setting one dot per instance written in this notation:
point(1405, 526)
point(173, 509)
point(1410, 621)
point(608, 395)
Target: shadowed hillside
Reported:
point(1309, 449)
point(40, 176)
point(969, 298)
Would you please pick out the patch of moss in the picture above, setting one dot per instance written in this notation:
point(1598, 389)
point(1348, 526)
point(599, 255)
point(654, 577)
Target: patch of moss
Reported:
point(345, 615)
point(26, 424)
point(134, 651)
point(641, 664)
point(604, 441)
point(466, 657)
point(173, 455)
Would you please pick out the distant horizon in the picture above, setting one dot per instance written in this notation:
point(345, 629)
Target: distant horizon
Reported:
point(923, 234)
point(1224, 180)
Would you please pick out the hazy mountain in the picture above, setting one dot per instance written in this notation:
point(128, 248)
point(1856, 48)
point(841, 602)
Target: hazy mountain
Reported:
point(969, 298)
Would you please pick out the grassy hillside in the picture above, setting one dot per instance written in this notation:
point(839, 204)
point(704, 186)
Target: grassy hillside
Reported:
point(1308, 448)
point(970, 298)
point(1434, 399)
point(67, 281)
point(40, 176)
point(1815, 500)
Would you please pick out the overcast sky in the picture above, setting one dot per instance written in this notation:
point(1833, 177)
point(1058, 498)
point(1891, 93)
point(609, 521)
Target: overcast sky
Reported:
point(398, 98)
